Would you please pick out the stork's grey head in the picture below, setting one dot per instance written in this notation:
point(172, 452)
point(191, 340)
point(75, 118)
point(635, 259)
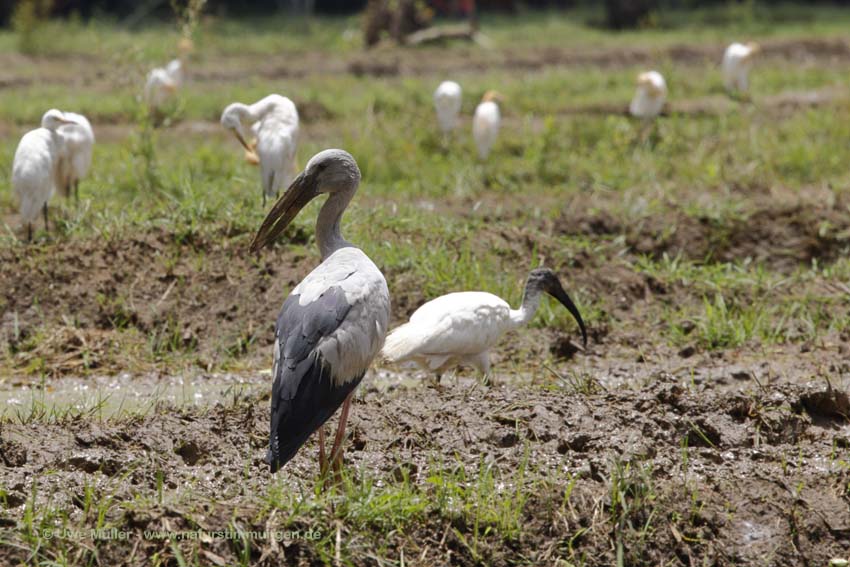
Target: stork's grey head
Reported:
point(329, 171)
point(53, 119)
point(545, 280)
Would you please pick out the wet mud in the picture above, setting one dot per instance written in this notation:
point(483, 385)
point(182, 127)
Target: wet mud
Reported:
point(668, 473)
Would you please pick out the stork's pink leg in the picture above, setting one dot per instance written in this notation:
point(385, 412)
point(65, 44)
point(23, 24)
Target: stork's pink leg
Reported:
point(336, 450)
point(323, 459)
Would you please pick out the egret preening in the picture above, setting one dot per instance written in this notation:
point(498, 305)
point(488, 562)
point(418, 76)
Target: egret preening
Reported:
point(485, 123)
point(274, 122)
point(650, 96)
point(461, 328)
point(332, 324)
point(162, 84)
point(35, 169)
point(737, 62)
point(78, 144)
point(447, 101)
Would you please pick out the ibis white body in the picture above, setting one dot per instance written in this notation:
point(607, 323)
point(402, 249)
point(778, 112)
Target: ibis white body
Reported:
point(447, 103)
point(454, 329)
point(460, 328)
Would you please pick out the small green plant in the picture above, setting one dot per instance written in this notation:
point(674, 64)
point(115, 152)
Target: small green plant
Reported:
point(27, 18)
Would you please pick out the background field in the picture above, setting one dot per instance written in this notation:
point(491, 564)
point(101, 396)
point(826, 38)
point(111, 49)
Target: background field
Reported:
point(706, 422)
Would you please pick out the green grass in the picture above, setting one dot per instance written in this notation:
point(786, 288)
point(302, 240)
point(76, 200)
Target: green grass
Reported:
point(428, 211)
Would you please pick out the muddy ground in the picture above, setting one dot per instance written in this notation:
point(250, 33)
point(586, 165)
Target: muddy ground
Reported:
point(671, 456)
point(673, 474)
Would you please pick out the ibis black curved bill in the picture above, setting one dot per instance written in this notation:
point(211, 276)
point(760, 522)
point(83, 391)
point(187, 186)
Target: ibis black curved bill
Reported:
point(296, 197)
point(561, 295)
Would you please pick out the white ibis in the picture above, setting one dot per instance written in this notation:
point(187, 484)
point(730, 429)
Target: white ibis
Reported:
point(485, 123)
point(76, 160)
point(650, 96)
point(447, 102)
point(737, 62)
point(35, 169)
point(162, 84)
point(274, 121)
point(332, 324)
point(461, 328)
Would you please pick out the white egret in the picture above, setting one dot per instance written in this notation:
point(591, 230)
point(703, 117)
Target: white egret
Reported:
point(461, 328)
point(78, 145)
point(447, 102)
point(162, 84)
point(274, 122)
point(650, 96)
point(332, 324)
point(485, 123)
point(737, 62)
point(35, 169)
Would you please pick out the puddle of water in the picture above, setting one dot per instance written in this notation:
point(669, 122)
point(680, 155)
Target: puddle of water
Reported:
point(106, 395)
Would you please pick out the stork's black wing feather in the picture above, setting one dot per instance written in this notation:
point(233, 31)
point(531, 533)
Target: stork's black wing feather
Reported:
point(304, 395)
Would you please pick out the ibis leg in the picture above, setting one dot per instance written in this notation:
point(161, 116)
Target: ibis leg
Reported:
point(44, 210)
point(29, 232)
point(336, 450)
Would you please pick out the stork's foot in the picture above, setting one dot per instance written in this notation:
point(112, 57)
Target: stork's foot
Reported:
point(435, 382)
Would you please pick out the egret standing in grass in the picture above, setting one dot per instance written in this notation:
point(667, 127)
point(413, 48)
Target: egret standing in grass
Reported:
point(332, 324)
point(461, 328)
point(274, 122)
point(485, 123)
point(78, 141)
point(650, 96)
point(35, 169)
point(737, 62)
point(162, 84)
point(447, 102)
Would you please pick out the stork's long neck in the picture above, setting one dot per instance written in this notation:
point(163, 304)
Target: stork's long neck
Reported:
point(530, 303)
point(328, 234)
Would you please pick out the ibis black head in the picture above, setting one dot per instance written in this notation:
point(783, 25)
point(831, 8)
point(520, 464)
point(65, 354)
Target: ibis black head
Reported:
point(544, 279)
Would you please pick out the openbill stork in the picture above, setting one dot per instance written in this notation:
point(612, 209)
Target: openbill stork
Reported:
point(447, 102)
point(36, 167)
point(461, 328)
point(650, 96)
point(736, 65)
point(332, 324)
point(485, 123)
point(274, 122)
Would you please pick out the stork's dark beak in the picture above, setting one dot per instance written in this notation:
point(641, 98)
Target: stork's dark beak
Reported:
point(558, 293)
point(296, 197)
